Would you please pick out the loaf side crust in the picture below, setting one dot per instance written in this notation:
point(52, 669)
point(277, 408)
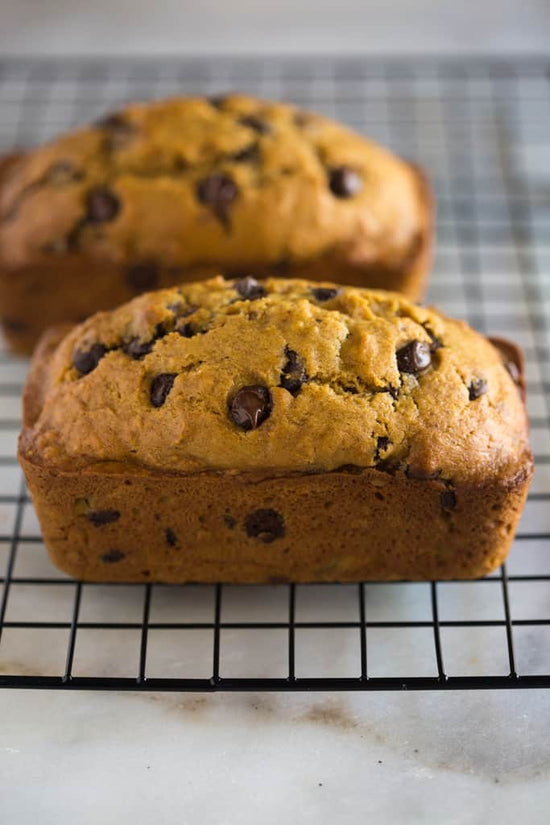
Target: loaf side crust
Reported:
point(118, 523)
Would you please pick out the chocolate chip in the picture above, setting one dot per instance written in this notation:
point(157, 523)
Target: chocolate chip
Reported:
point(118, 129)
point(229, 520)
point(249, 289)
point(217, 101)
point(477, 387)
point(250, 154)
point(414, 357)
point(14, 326)
point(186, 330)
point(302, 118)
point(110, 121)
point(436, 342)
point(102, 205)
point(142, 277)
point(87, 360)
point(137, 349)
point(255, 123)
point(323, 293)
point(251, 406)
point(421, 474)
point(344, 182)
point(182, 310)
point(112, 556)
point(294, 372)
point(265, 525)
point(160, 387)
point(448, 500)
point(218, 191)
point(171, 538)
point(101, 517)
point(63, 172)
point(382, 444)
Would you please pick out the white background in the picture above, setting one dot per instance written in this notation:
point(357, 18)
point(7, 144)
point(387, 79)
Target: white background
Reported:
point(255, 27)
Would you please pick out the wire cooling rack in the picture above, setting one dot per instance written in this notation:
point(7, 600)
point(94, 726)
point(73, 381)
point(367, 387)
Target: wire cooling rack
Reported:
point(482, 129)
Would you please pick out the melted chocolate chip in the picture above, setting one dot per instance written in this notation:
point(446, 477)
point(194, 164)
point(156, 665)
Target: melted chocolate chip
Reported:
point(87, 360)
point(249, 289)
point(186, 330)
point(421, 474)
point(414, 357)
point(217, 101)
point(182, 310)
point(137, 349)
point(251, 406)
point(476, 388)
point(302, 118)
point(250, 154)
point(218, 191)
point(436, 342)
point(100, 517)
point(382, 444)
point(171, 538)
point(14, 326)
point(294, 372)
point(63, 172)
point(112, 556)
point(345, 182)
point(102, 205)
point(111, 121)
point(323, 293)
point(118, 129)
point(142, 277)
point(265, 525)
point(160, 387)
point(448, 500)
point(260, 126)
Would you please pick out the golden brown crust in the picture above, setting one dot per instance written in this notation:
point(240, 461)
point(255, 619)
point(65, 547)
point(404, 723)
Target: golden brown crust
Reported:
point(281, 216)
point(360, 406)
point(362, 468)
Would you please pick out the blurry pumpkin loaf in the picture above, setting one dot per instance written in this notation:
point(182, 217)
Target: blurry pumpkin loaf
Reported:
point(186, 188)
point(277, 431)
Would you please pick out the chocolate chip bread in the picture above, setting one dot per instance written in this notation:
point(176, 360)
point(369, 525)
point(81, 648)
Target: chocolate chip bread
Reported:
point(275, 431)
point(182, 189)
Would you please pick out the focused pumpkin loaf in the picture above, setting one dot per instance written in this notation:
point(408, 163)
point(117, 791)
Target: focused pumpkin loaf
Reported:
point(186, 188)
point(277, 431)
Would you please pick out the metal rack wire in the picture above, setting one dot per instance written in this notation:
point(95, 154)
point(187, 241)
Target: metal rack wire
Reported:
point(481, 128)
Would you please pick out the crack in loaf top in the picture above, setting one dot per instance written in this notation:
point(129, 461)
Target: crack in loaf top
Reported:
point(196, 181)
point(280, 376)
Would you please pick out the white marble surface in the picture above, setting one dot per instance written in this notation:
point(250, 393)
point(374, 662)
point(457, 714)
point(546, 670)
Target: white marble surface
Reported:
point(457, 759)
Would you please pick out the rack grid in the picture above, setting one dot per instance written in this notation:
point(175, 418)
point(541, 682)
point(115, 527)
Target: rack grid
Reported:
point(481, 128)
